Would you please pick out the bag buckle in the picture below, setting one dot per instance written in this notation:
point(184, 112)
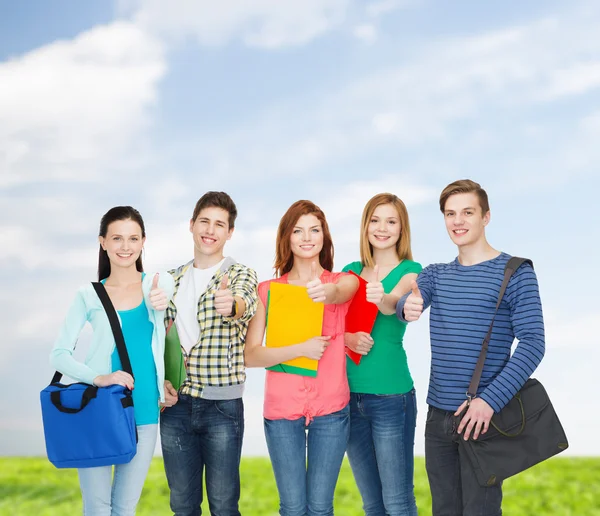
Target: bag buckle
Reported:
point(470, 397)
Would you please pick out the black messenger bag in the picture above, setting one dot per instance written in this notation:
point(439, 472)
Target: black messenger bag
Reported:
point(525, 432)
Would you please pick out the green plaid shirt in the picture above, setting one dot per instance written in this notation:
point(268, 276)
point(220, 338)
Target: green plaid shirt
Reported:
point(217, 359)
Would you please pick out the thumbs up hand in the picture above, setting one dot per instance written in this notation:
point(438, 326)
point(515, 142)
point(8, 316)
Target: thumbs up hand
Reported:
point(413, 307)
point(224, 298)
point(375, 290)
point(315, 289)
point(158, 297)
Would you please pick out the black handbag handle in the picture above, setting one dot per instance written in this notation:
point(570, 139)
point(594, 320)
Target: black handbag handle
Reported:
point(116, 329)
point(511, 266)
point(522, 427)
point(88, 395)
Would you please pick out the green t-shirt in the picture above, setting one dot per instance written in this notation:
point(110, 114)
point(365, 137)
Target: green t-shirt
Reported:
point(384, 370)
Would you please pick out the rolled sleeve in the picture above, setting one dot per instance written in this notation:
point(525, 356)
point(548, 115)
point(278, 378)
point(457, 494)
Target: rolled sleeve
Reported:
point(244, 284)
point(61, 357)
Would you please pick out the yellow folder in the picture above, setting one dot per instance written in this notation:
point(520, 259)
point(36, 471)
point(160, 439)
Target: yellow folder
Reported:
point(292, 318)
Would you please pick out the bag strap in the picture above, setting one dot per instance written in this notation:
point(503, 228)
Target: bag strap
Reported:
point(116, 329)
point(511, 267)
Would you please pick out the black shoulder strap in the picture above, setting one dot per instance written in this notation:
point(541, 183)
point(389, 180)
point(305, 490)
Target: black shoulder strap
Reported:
point(116, 329)
point(511, 267)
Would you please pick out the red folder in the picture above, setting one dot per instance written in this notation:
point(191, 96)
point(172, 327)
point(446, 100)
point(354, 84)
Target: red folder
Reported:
point(361, 315)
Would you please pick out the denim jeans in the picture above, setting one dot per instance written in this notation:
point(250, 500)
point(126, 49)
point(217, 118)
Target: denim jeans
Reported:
point(105, 495)
point(454, 487)
point(306, 461)
point(199, 435)
point(381, 452)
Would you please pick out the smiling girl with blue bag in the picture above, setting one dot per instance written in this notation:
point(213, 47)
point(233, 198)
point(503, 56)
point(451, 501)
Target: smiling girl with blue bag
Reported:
point(139, 300)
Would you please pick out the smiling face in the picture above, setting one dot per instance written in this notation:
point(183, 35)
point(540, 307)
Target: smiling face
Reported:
point(384, 227)
point(123, 242)
point(465, 221)
point(306, 240)
point(211, 231)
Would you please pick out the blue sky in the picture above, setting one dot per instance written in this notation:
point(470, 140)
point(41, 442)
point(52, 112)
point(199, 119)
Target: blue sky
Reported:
point(332, 100)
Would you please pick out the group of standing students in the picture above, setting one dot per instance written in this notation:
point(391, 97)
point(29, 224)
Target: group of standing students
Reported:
point(217, 310)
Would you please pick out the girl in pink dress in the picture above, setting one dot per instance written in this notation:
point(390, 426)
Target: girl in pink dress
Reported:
point(306, 419)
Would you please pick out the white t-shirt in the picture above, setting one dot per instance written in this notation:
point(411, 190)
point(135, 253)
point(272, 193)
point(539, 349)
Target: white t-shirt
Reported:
point(192, 286)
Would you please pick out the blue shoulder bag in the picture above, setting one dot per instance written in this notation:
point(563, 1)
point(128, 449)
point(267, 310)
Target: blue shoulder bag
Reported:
point(87, 426)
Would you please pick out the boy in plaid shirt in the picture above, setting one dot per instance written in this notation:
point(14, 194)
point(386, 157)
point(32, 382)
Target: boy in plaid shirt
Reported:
point(215, 298)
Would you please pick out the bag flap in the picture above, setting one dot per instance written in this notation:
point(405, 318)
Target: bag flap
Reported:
point(510, 419)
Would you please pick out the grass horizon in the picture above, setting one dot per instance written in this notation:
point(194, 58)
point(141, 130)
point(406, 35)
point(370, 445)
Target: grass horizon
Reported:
point(562, 486)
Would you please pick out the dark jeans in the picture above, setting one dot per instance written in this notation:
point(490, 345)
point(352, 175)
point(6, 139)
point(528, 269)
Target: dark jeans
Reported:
point(306, 461)
point(197, 435)
point(454, 488)
point(381, 452)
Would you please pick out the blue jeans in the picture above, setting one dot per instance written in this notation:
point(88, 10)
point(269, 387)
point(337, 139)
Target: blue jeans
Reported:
point(454, 487)
point(306, 461)
point(200, 435)
point(105, 495)
point(381, 451)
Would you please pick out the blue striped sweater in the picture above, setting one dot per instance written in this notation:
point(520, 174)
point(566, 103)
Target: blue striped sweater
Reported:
point(462, 300)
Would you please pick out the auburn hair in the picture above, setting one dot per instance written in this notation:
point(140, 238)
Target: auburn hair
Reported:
point(403, 249)
point(284, 259)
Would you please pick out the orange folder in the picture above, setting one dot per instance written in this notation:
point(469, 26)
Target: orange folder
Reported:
point(361, 315)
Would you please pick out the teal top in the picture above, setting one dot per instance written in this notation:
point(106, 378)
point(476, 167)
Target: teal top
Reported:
point(137, 332)
point(384, 370)
point(87, 307)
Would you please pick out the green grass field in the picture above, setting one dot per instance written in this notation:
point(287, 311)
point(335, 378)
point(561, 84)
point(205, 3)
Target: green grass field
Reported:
point(559, 487)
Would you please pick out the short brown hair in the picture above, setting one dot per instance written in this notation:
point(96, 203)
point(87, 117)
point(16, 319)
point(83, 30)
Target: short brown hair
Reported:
point(465, 186)
point(403, 249)
point(216, 200)
point(284, 259)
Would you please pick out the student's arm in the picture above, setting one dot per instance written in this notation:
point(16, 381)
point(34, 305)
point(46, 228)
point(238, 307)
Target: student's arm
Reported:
point(387, 302)
point(61, 356)
point(527, 320)
point(243, 284)
point(419, 298)
point(335, 293)
point(257, 355)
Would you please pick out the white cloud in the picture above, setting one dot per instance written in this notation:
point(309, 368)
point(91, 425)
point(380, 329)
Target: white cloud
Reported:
point(420, 102)
point(382, 7)
point(574, 80)
point(69, 107)
point(260, 23)
point(366, 33)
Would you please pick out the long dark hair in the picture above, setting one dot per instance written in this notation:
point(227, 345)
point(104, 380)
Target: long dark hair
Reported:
point(112, 215)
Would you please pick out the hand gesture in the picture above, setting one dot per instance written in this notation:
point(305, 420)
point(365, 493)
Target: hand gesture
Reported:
point(116, 378)
point(375, 290)
point(477, 418)
point(359, 342)
point(315, 289)
point(315, 347)
point(158, 297)
point(170, 395)
point(223, 298)
point(413, 306)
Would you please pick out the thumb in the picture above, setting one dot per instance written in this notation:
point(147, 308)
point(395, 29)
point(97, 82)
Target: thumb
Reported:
point(415, 289)
point(376, 272)
point(224, 282)
point(155, 282)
